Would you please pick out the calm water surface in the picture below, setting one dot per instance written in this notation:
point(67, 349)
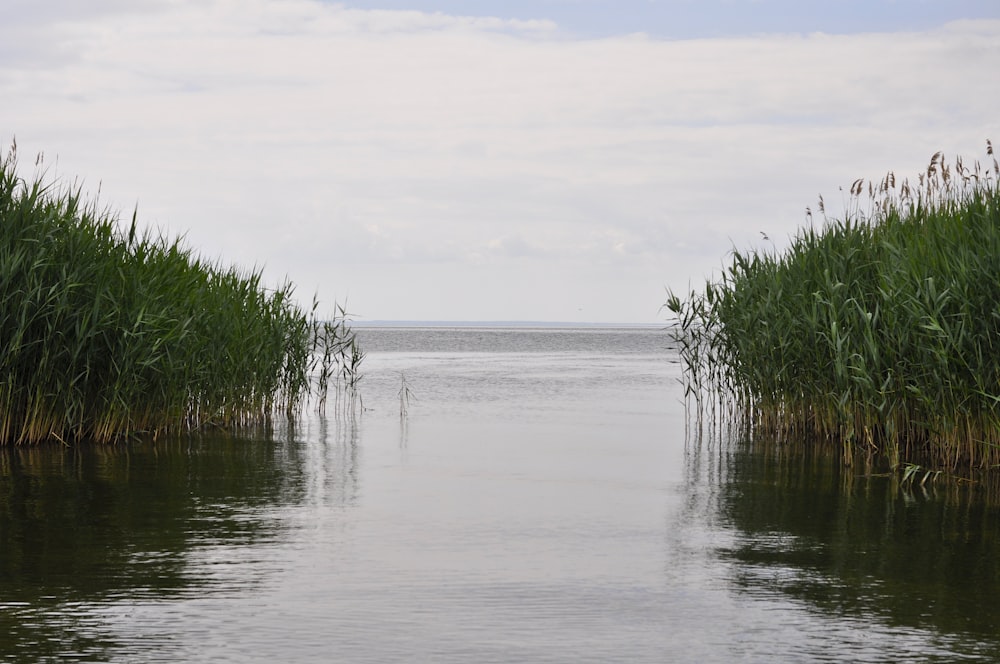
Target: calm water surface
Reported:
point(539, 502)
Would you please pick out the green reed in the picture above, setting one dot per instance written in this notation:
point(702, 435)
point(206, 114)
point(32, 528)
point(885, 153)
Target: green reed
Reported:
point(108, 332)
point(880, 332)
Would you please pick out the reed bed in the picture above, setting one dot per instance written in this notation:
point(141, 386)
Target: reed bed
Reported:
point(878, 332)
point(109, 331)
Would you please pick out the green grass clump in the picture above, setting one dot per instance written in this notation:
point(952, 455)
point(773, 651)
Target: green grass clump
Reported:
point(879, 332)
point(106, 332)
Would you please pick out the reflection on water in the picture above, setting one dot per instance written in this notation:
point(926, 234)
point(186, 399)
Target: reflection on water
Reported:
point(93, 525)
point(539, 502)
point(925, 557)
point(919, 563)
point(97, 525)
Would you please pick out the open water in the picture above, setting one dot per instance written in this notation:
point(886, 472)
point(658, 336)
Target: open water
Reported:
point(540, 500)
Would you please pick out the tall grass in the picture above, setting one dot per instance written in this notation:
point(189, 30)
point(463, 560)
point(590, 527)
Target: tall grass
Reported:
point(107, 331)
point(879, 332)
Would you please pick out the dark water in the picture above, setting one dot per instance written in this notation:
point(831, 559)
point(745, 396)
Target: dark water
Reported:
point(539, 501)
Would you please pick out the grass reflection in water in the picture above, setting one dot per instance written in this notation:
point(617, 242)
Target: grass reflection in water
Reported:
point(855, 542)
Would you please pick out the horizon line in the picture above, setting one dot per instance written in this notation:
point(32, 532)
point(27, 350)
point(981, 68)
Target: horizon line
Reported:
point(495, 323)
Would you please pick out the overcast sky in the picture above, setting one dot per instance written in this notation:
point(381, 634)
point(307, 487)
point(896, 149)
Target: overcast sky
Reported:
point(556, 160)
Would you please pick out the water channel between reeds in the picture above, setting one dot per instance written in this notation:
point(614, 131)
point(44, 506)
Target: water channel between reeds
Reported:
point(540, 501)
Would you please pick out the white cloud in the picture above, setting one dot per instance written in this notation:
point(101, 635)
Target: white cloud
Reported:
point(349, 149)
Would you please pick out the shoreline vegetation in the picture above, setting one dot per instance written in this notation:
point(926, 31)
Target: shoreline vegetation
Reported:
point(112, 332)
point(878, 333)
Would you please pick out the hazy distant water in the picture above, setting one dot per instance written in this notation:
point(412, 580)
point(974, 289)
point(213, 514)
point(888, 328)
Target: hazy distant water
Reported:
point(538, 502)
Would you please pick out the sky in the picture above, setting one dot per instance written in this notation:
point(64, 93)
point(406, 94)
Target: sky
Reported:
point(488, 160)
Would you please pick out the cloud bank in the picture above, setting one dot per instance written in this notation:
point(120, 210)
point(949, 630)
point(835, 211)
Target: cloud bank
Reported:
point(429, 166)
